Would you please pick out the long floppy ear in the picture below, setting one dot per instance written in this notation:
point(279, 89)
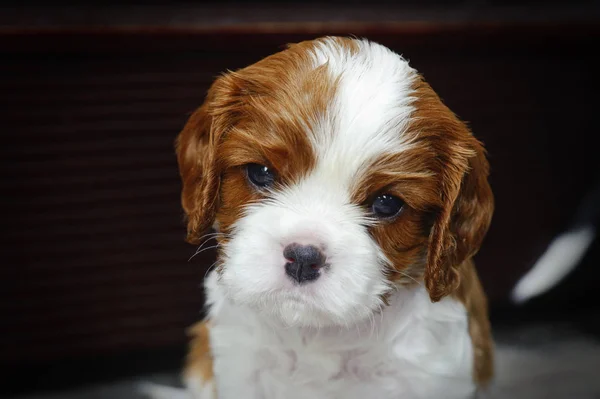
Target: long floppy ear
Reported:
point(465, 216)
point(196, 148)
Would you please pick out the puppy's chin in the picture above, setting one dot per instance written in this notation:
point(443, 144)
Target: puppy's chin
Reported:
point(298, 313)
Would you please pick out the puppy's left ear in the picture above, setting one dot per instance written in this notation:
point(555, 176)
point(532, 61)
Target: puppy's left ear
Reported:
point(466, 213)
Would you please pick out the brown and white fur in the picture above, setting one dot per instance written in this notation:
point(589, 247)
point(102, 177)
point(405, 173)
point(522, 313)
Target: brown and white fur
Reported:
point(396, 309)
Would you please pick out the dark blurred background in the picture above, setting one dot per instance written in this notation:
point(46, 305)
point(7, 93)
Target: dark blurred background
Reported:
point(96, 282)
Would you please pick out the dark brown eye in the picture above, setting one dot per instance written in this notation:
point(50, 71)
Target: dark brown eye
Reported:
point(259, 175)
point(386, 206)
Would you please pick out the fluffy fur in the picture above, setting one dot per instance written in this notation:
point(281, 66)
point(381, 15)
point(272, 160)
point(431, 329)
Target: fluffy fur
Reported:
point(398, 310)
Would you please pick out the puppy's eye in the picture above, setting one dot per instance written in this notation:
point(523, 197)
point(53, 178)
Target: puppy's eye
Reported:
point(259, 175)
point(386, 206)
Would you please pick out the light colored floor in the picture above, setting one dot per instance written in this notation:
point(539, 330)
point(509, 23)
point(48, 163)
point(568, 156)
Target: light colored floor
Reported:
point(536, 363)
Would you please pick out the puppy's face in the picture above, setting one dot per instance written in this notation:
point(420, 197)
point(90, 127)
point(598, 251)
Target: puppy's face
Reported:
point(335, 175)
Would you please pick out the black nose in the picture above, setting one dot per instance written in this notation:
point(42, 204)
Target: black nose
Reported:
point(304, 262)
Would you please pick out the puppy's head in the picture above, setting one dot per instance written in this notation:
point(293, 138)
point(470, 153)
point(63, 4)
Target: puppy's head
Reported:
point(335, 175)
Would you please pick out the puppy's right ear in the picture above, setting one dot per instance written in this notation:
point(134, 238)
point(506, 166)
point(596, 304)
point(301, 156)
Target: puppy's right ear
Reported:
point(197, 146)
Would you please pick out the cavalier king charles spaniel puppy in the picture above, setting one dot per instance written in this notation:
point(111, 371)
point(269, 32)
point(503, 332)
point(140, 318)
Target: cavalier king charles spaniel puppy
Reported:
point(348, 202)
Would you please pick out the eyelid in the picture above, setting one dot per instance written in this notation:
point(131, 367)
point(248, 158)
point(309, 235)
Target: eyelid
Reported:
point(390, 189)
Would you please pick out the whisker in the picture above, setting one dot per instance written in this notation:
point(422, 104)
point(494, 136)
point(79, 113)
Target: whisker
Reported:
point(210, 268)
point(207, 237)
point(202, 245)
point(214, 233)
point(205, 249)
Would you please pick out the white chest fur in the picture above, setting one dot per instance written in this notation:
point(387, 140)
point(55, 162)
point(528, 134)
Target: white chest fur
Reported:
point(412, 349)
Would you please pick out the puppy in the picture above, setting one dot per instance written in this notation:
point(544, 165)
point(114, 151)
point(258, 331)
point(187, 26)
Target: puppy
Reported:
point(348, 202)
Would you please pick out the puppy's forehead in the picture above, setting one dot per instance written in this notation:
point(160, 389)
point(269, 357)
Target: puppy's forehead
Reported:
point(347, 102)
point(369, 112)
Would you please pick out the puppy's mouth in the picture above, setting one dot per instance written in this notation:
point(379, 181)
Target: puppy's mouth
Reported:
point(295, 308)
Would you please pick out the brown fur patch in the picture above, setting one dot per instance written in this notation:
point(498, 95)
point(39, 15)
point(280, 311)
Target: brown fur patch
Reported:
point(266, 112)
point(403, 239)
point(199, 361)
point(470, 293)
